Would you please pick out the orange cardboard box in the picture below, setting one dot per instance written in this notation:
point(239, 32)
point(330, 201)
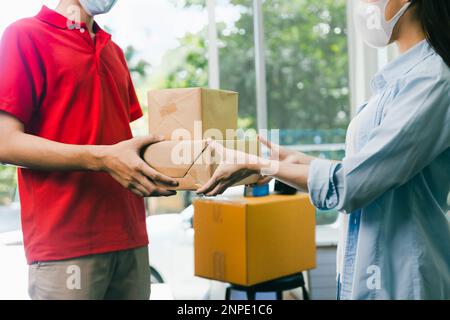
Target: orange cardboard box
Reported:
point(193, 113)
point(247, 241)
point(192, 163)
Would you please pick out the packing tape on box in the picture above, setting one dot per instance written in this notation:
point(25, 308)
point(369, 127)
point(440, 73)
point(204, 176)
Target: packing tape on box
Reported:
point(219, 265)
point(218, 257)
point(217, 213)
point(168, 109)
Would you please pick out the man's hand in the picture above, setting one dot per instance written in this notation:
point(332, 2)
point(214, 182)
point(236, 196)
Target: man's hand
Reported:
point(124, 163)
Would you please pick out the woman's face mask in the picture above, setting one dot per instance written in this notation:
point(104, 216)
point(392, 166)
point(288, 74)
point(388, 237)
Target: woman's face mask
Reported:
point(370, 20)
point(96, 7)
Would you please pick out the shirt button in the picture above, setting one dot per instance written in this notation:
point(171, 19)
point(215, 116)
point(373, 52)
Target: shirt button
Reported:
point(82, 30)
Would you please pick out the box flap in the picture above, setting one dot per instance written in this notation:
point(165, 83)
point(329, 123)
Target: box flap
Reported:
point(174, 158)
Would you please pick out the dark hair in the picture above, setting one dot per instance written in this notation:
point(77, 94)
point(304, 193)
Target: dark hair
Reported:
point(435, 18)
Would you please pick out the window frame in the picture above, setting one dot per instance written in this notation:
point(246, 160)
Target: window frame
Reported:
point(364, 61)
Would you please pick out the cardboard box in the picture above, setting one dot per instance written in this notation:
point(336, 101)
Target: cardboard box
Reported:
point(192, 114)
point(192, 163)
point(247, 241)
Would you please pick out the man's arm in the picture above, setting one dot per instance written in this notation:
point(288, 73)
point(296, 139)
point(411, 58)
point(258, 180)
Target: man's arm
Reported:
point(122, 161)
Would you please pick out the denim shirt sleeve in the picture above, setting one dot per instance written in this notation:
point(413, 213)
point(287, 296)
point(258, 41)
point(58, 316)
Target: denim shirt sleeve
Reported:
point(415, 130)
point(322, 189)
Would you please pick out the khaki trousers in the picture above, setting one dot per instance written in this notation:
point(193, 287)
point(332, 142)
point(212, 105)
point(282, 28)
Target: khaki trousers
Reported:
point(121, 275)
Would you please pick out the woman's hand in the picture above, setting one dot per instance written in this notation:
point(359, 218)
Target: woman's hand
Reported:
point(278, 153)
point(234, 166)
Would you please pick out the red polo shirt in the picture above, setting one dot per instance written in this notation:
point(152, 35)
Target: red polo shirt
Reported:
point(67, 88)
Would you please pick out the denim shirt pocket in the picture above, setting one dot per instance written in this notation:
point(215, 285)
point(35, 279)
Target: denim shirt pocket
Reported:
point(373, 115)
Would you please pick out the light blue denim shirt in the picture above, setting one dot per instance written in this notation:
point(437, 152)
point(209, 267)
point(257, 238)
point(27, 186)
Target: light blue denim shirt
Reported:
point(395, 187)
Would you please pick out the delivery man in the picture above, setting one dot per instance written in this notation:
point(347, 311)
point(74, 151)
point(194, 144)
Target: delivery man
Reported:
point(66, 103)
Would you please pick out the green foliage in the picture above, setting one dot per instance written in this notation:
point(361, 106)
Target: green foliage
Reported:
point(7, 184)
point(306, 59)
point(192, 67)
point(137, 67)
point(307, 64)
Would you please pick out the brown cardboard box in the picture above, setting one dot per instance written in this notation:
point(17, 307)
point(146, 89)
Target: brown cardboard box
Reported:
point(247, 241)
point(195, 110)
point(192, 163)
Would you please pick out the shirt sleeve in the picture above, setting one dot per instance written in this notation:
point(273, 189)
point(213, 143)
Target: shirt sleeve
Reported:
point(321, 184)
point(21, 74)
point(413, 133)
point(135, 107)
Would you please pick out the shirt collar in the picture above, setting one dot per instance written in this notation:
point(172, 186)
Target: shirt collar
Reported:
point(402, 65)
point(59, 21)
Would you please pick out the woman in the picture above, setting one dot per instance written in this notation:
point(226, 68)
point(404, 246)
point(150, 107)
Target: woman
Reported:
point(393, 185)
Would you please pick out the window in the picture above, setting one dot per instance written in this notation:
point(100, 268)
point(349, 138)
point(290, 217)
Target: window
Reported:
point(307, 71)
point(308, 77)
point(237, 56)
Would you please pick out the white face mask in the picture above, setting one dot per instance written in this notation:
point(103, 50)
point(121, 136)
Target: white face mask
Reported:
point(370, 20)
point(95, 7)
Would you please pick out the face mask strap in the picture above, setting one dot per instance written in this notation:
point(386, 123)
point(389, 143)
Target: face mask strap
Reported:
point(399, 13)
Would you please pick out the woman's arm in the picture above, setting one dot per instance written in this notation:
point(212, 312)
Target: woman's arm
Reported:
point(414, 133)
point(293, 174)
point(289, 156)
point(284, 154)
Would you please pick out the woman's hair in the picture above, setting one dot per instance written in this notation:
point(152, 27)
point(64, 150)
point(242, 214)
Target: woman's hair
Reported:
point(435, 18)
